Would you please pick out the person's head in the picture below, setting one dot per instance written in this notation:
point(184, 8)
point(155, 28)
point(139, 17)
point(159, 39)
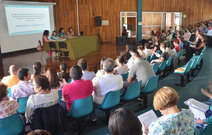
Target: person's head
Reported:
point(24, 74)
point(70, 29)
point(152, 32)
point(120, 60)
point(181, 27)
point(163, 31)
point(51, 74)
point(170, 28)
point(205, 26)
point(132, 51)
point(41, 83)
point(61, 30)
point(3, 91)
point(124, 27)
point(169, 32)
point(147, 46)
point(124, 121)
point(108, 65)
point(46, 33)
point(37, 68)
point(39, 132)
point(136, 56)
point(197, 32)
point(176, 42)
point(82, 63)
point(209, 27)
point(63, 67)
point(13, 70)
point(101, 62)
point(54, 33)
point(164, 98)
point(162, 46)
point(76, 72)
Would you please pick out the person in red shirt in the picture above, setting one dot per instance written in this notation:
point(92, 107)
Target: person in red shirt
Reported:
point(78, 88)
point(176, 45)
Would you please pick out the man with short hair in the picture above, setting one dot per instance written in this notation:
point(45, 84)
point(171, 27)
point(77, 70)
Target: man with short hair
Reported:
point(12, 79)
point(108, 82)
point(130, 63)
point(82, 63)
point(77, 89)
point(24, 88)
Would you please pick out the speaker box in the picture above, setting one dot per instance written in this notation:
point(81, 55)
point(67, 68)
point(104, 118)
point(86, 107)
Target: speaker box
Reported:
point(98, 20)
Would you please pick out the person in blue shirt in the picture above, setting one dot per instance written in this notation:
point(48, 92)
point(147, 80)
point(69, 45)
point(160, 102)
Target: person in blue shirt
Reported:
point(61, 33)
point(54, 36)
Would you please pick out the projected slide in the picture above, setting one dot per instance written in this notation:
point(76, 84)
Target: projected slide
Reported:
point(27, 19)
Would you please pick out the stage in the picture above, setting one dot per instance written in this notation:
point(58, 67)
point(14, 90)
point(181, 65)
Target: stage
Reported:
point(25, 59)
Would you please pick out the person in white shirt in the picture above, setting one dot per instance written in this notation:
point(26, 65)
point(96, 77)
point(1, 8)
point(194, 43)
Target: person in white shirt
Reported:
point(101, 72)
point(82, 63)
point(44, 97)
point(148, 52)
point(108, 82)
point(140, 50)
point(209, 31)
point(121, 67)
point(169, 36)
point(132, 51)
point(187, 35)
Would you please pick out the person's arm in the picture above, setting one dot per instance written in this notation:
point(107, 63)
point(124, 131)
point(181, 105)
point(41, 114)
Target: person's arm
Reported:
point(130, 79)
point(201, 46)
point(158, 60)
point(131, 75)
point(145, 131)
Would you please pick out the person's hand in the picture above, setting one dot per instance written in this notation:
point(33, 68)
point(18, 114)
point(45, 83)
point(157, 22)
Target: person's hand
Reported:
point(199, 121)
point(144, 128)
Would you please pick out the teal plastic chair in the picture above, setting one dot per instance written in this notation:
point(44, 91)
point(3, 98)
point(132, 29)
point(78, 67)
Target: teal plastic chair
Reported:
point(81, 107)
point(133, 91)
point(153, 57)
point(9, 92)
point(12, 125)
point(60, 94)
point(155, 67)
point(69, 80)
point(148, 58)
point(22, 105)
point(203, 50)
point(111, 100)
point(150, 86)
point(178, 54)
point(185, 72)
point(162, 66)
point(169, 62)
point(194, 65)
point(207, 130)
point(124, 76)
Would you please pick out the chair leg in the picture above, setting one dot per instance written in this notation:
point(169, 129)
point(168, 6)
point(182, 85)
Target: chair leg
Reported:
point(145, 100)
point(188, 77)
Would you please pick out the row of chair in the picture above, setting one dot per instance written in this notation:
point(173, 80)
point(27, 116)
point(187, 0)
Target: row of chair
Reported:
point(193, 64)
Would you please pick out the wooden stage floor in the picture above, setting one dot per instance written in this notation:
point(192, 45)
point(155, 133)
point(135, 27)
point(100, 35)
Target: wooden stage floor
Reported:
point(27, 58)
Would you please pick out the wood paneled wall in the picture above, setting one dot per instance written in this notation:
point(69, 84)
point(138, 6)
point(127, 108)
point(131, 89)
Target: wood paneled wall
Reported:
point(195, 10)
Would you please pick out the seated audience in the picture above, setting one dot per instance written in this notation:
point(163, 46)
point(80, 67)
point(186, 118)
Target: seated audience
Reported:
point(182, 31)
point(54, 36)
point(174, 120)
point(70, 32)
point(44, 96)
point(61, 33)
point(141, 71)
point(140, 50)
point(121, 67)
point(108, 82)
point(168, 48)
point(36, 69)
point(124, 121)
point(63, 74)
point(82, 63)
point(169, 36)
point(187, 35)
point(24, 88)
point(101, 72)
point(7, 107)
point(176, 45)
point(39, 132)
point(55, 82)
point(164, 55)
point(77, 89)
point(130, 63)
point(148, 52)
point(209, 33)
point(12, 79)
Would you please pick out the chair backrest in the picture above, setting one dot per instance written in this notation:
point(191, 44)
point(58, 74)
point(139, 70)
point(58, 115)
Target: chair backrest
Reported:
point(22, 104)
point(203, 50)
point(148, 58)
point(155, 67)
point(151, 85)
point(133, 91)
point(52, 45)
point(124, 76)
point(9, 92)
point(111, 99)
point(188, 66)
point(179, 53)
point(169, 62)
point(12, 125)
point(60, 94)
point(162, 66)
point(69, 80)
point(194, 63)
point(199, 58)
point(62, 45)
point(81, 107)
point(153, 57)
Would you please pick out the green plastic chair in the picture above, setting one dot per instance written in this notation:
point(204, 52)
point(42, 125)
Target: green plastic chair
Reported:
point(12, 125)
point(133, 91)
point(124, 76)
point(22, 104)
point(150, 86)
point(111, 100)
